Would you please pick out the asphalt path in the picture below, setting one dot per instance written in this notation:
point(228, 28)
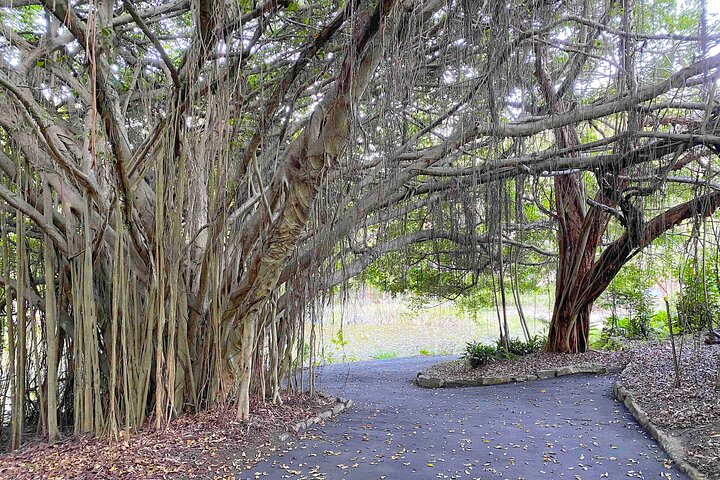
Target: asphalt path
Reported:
point(561, 428)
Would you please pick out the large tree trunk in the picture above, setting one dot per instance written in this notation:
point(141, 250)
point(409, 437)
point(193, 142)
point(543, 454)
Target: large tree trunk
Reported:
point(579, 234)
point(569, 327)
point(580, 231)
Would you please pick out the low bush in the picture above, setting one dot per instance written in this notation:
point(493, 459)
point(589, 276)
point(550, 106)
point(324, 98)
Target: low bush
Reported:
point(643, 324)
point(607, 342)
point(695, 310)
point(519, 348)
point(478, 354)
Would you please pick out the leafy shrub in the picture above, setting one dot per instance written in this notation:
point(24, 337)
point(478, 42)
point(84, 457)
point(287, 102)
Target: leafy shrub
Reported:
point(536, 343)
point(637, 324)
point(641, 325)
point(631, 291)
point(479, 354)
point(339, 340)
point(697, 306)
point(519, 348)
point(514, 346)
point(659, 323)
point(425, 352)
point(608, 339)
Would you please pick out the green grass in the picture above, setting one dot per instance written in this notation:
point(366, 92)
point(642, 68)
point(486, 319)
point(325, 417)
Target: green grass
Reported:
point(385, 355)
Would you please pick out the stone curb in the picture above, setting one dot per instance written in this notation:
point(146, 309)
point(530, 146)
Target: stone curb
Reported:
point(340, 405)
point(428, 381)
point(670, 444)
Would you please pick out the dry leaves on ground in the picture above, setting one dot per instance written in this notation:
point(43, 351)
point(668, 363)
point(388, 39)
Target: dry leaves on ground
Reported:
point(209, 444)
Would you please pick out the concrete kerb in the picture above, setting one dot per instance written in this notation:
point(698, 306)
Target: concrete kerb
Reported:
point(429, 381)
point(339, 405)
point(671, 445)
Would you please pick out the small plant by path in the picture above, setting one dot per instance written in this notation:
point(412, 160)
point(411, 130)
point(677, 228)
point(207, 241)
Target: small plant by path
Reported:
point(478, 354)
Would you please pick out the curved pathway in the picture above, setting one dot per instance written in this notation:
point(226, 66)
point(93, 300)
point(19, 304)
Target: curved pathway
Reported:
point(568, 427)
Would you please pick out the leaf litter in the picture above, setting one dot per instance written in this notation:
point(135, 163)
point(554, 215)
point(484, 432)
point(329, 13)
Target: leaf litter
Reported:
point(211, 444)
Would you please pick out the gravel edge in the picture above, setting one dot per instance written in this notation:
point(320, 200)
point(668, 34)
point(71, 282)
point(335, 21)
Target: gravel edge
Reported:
point(340, 405)
point(427, 381)
point(671, 445)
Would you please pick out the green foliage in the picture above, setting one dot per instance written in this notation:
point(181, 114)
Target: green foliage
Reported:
point(607, 342)
point(425, 352)
point(393, 275)
point(478, 354)
point(632, 327)
point(477, 298)
point(519, 347)
point(610, 337)
point(698, 305)
point(335, 354)
point(434, 269)
point(659, 323)
point(630, 291)
point(339, 340)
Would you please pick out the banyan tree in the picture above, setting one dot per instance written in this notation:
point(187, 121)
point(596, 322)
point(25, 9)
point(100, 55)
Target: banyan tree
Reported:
point(181, 182)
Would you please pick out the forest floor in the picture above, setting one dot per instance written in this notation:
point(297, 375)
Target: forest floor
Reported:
point(208, 445)
point(567, 427)
point(690, 413)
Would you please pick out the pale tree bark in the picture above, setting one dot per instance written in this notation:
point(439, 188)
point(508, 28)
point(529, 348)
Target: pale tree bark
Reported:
point(51, 331)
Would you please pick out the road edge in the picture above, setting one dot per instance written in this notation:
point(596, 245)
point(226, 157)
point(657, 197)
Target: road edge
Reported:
point(429, 381)
point(671, 445)
point(339, 405)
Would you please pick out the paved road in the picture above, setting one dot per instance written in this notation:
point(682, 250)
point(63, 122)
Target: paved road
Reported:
point(561, 428)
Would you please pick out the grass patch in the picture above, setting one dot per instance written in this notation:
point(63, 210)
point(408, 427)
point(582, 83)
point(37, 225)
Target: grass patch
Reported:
point(385, 355)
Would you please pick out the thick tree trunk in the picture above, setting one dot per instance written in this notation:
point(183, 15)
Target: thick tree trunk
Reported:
point(569, 328)
point(569, 324)
point(579, 233)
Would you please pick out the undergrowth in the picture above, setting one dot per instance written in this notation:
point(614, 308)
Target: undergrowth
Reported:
point(479, 354)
